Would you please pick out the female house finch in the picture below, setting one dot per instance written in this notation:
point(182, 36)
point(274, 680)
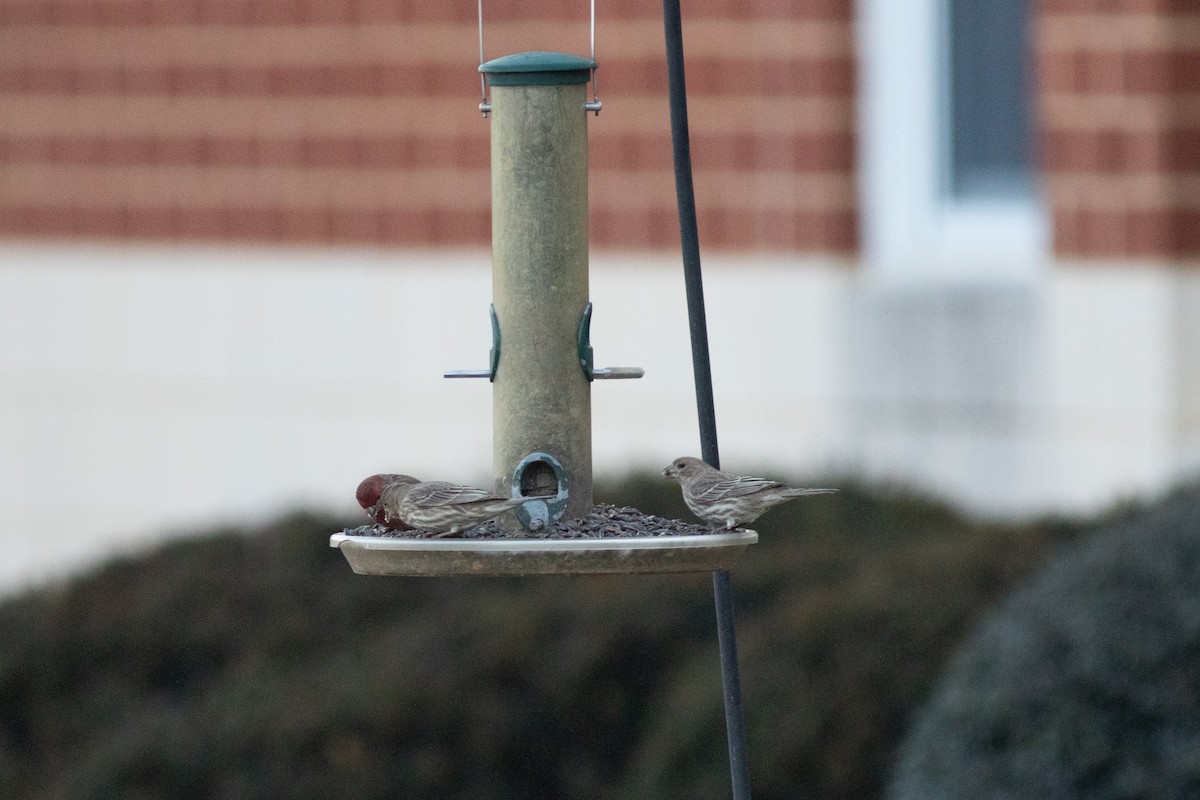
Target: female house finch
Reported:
point(436, 506)
point(730, 500)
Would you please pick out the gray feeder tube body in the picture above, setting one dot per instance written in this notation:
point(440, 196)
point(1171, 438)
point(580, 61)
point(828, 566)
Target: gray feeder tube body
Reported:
point(541, 400)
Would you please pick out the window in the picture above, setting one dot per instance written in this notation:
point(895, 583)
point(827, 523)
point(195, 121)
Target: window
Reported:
point(948, 183)
point(989, 126)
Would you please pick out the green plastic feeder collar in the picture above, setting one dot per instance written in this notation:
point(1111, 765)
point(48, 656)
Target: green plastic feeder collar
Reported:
point(539, 68)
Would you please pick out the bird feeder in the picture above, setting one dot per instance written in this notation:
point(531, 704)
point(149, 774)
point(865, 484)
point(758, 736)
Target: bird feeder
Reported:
point(541, 360)
point(542, 375)
point(541, 387)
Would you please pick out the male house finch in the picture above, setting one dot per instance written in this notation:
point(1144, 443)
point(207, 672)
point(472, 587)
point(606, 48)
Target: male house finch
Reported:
point(369, 492)
point(436, 506)
point(730, 500)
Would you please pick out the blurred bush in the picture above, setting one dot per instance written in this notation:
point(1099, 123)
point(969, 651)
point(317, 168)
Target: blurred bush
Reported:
point(1085, 683)
point(254, 664)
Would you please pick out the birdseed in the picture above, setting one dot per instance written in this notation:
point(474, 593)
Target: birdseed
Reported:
point(604, 522)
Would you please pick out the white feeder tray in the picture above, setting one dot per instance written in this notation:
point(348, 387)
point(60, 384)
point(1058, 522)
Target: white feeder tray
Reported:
point(393, 555)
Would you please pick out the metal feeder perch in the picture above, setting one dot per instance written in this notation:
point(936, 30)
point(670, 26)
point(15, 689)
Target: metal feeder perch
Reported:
point(541, 361)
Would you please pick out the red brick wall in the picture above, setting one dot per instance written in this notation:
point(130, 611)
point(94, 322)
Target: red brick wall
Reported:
point(1120, 82)
point(354, 120)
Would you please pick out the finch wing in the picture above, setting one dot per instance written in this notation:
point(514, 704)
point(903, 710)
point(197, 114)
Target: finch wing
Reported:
point(436, 494)
point(736, 486)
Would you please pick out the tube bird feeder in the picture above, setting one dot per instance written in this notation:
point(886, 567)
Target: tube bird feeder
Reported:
point(541, 393)
point(541, 361)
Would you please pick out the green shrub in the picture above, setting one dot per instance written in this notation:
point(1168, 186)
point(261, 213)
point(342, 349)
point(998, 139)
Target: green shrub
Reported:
point(254, 664)
point(1084, 683)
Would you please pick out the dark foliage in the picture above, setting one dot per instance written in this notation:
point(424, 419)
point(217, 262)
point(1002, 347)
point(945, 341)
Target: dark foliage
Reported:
point(256, 665)
point(1084, 684)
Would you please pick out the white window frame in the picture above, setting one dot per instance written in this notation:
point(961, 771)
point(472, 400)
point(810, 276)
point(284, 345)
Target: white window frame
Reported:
point(912, 227)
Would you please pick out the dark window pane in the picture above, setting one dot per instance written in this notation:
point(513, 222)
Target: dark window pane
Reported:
point(990, 137)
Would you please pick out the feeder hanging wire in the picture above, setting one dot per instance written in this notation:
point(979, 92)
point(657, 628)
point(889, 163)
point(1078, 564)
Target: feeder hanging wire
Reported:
point(594, 105)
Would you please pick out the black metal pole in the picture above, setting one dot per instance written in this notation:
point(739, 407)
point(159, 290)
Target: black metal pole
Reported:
point(685, 197)
point(731, 682)
point(701, 367)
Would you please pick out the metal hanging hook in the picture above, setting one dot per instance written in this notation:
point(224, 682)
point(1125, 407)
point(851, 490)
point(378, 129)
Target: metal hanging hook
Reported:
point(594, 105)
point(485, 105)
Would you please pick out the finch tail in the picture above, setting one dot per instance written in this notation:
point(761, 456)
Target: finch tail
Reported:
point(803, 492)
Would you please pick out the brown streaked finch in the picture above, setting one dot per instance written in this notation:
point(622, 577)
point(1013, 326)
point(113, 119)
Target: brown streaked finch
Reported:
point(725, 500)
point(440, 507)
point(369, 492)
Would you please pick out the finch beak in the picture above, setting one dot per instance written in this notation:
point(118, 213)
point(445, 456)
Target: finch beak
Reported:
point(667, 472)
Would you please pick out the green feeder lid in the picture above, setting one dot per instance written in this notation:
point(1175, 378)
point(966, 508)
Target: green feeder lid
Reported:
point(538, 69)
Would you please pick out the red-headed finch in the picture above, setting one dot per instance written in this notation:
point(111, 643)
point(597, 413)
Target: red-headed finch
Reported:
point(369, 492)
point(722, 499)
point(441, 507)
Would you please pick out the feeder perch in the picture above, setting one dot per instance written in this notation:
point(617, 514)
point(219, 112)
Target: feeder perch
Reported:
point(541, 363)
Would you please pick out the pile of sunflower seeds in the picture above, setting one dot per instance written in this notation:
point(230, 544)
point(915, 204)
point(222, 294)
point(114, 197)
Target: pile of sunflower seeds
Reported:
point(602, 523)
